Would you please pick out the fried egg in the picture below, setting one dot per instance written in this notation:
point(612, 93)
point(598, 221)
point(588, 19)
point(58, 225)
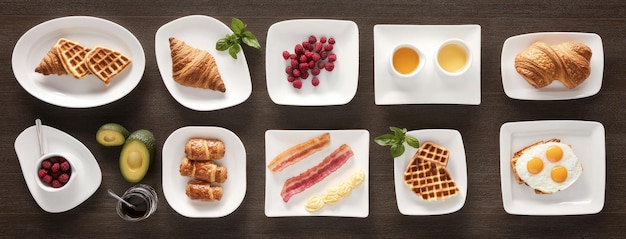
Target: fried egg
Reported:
point(549, 167)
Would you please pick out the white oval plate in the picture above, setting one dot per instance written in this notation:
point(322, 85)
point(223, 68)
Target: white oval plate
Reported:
point(174, 184)
point(203, 32)
point(65, 90)
point(337, 87)
point(411, 204)
point(88, 171)
point(517, 88)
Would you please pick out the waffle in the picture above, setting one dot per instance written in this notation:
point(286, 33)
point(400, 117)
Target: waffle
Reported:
point(427, 175)
point(72, 55)
point(105, 63)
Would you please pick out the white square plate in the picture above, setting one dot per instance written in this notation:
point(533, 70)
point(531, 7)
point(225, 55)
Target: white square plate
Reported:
point(202, 32)
point(585, 196)
point(337, 87)
point(174, 184)
point(354, 205)
point(411, 204)
point(430, 86)
point(517, 88)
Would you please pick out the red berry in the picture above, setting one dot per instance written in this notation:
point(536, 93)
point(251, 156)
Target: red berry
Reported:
point(332, 57)
point(296, 73)
point(311, 64)
point(331, 40)
point(304, 75)
point(318, 47)
point(293, 56)
point(65, 166)
point(312, 39)
point(291, 78)
point(321, 65)
point(286, 55)
point(309, 55)
point(328, 47)
point(316, 57)
point(306, 45)
point(294, 63)
point(323, 55)
point(303, 58)
point(315, 71)
point(323, 39)
point(42, 173)
point(46, 164)
point(330, 66)
point(56, 184)
point(288, 69)
point(56, 174)
point(54, 159)
point(315, 81)
point(304, 67)
point(298, 49)
point(55, 167)
point(297, 84)
point(47, 179)
point(61, 159)
point(63, 178)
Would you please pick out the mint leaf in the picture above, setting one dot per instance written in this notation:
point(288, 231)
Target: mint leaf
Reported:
point(222, 44)
point(233, 50)
point(232, 42)
point(396, 141)
point(237, 26)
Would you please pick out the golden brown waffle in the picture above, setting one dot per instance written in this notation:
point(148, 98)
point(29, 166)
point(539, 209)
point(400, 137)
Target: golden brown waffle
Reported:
point(72, 55)
point(427, 176)
point(106, 63)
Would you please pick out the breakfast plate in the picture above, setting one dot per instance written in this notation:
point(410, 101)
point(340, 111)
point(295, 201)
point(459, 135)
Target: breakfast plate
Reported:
point(65, 90)
point(87, 177)
point(336, 87)
point(356, 204)
point(430, 86)
point(585, 196)
point(411, 204)
point(234, 188)
point(202, 32)
point(517, 88)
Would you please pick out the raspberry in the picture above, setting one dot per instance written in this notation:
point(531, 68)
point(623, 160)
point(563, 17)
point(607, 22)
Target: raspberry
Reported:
point(297, 84)
point(318, 47)
point(296, 73)
point(61, 159)
point(293, 56)
point(56, 184)
point(306, 45)
point(55, 167)
point(298, 49)
point(316, 57)
point(309, 55)
point(42, 173)
point(323, 39)
point(63, 178)
point(315, 71)
point(312, 39)
point(47, 179)
point(321, 65)
point(304, 75)
point(303, 59)
point(323, 55)
point(286, 55)
point(311, 64)
point(330, 66)
point(331, 40)
point(304, 67)
point(328, 47)
point(56, 174)
point(332, 57)
point(315, 81)
point(65, 166)
point(294, 63)
point(54, 159)
point(46, 164)
point(291, 78)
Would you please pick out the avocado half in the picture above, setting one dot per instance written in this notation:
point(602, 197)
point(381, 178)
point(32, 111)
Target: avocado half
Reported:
point(136, 155)
point(112, 134)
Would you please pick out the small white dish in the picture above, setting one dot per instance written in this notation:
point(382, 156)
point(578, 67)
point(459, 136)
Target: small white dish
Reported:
point(431, 86)
point(87, 176)
point(65, 90)
point(69, 157)
point(516, 87)
point(463, 46)
point(354, 205)
point(585, 196)
point(174, 184)
point(411, 204)
point(337, 87)
point(202, 32)
point(418, 67)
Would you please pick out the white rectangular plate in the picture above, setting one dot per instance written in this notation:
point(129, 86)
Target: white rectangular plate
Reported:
point(411, 204)
point(354, 205)
point(517, 88)
point(429, 86)
point(585, 196)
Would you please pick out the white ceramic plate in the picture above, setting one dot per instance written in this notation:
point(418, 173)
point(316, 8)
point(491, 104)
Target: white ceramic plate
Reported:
point(517, 88)
point(354, 205)
point(203, 32)
point(411, 204)
point(430, 86)
point(174, 184)
point(65, 90)
point(88, 174)
point(585, 196)
point(337, 87)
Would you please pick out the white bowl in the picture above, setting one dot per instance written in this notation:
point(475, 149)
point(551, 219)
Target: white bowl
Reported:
point(420, 64)
point(465, 48)
point(70, 158)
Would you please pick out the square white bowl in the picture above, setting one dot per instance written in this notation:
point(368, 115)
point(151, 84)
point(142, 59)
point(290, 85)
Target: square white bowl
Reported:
point(585, 196)
point(337, 87)
point(430, 86)
point(354, 205)
point(411, 204)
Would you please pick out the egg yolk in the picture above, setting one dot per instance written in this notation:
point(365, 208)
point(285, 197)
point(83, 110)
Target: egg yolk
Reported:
point(554, 153)
point(534, 166)
point(558, 174)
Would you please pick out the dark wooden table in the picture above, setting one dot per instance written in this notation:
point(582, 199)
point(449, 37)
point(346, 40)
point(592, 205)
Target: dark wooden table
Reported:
point(150, 106)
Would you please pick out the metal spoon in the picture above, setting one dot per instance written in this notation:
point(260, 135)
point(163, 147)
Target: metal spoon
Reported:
point(40, 136)
point(120, 199)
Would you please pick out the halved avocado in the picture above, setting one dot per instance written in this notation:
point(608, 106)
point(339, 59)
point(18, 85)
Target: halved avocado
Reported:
point(112, 134)
point(136, 155)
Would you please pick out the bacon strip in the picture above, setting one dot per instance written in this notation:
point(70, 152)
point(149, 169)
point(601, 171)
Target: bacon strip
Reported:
point(299, 152)
point(317, 173)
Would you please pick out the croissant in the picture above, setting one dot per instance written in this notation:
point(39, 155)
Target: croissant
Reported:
point(51, 64)
point(203, 170)
point(567, 62)
point(198, 190)
point(194, 67)
point(204, 149)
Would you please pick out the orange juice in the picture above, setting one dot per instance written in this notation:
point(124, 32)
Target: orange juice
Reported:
point(452, 58)
point(405, 60)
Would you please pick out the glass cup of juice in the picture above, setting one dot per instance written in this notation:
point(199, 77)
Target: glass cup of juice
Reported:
point(406, 60)
point(144, 199)
point(453, 57)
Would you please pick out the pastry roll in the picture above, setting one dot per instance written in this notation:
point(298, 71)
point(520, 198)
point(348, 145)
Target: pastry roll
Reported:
point(203, 170)
point(194, 67)
point(51, 64)
point(204, 149)
point(199, 190)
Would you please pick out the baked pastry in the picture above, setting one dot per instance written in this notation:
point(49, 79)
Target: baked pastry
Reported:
point(204, 149)
point(567, 62)
point(194, 67)
point(105, 63)
point(199, 190)
point(72, 56)
point(203, 170)
point(427, 176)
point(51, 63)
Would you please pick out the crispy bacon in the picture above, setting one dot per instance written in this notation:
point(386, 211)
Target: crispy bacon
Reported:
point(299, 152)
point(317, 173)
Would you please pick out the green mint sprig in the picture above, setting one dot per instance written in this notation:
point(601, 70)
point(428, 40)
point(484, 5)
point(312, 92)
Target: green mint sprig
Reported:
point(232, 42)
point(396, 141)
